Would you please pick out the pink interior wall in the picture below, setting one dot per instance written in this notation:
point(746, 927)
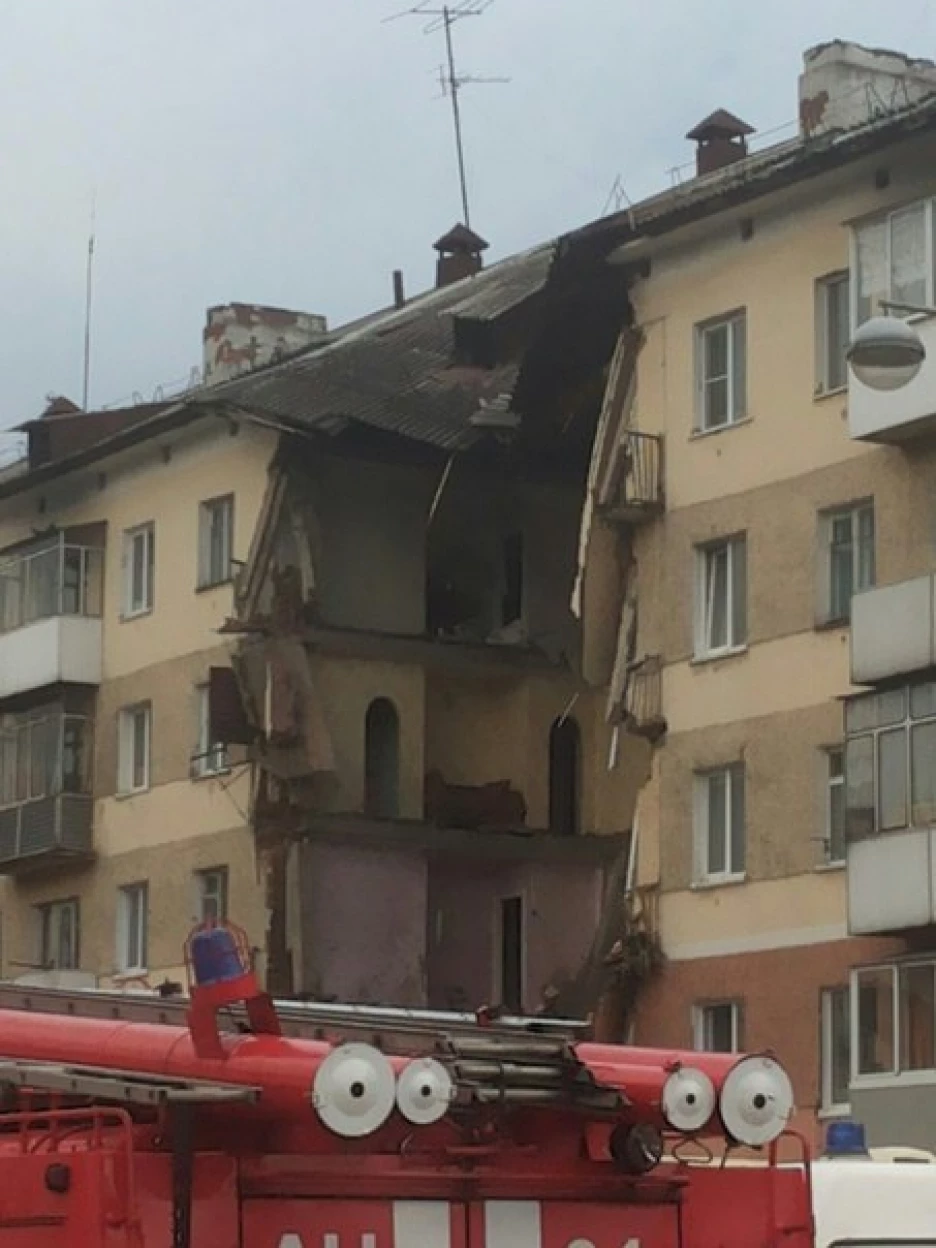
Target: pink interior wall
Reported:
point(364, 925)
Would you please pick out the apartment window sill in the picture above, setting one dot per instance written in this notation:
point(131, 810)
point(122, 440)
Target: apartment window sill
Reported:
point(710, 433)
point(717, 656)
point(825, 868)
point(203, 587)
point(718, 881)
point(836, 392)
point(127, 616)
point(833, 624)
point(828, 1113)
point(129, 976)
point(216, 773)
point(123, 795)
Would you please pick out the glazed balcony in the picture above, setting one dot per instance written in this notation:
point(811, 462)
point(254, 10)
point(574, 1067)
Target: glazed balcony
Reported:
point(50, 617)
point(46, 807)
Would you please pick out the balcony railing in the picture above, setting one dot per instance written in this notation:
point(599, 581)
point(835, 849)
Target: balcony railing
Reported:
point(637, 493)
point(47, 830)
point(643, 697)
point(59, 580)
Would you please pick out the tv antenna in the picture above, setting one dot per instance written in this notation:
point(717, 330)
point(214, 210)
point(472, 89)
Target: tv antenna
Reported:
point(88, 295)
point(444, 18)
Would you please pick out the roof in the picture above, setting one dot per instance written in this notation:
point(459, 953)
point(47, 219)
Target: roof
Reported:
point(396, 373)
point(774, 167)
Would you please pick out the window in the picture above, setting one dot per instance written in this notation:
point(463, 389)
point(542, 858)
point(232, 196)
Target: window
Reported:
point(833, 331)
point(848, 552)
point(565, 777)
point(835, 1049)
point(721, 368)
point(58, 935)
point(895, 1019)
point(215, 541)
point(511, 953)
point(382, 760)
point(893, 260)
point(834, 838)
point(212, 888)
point(132, 924)
point(890, 760)
point(139, 569)
point(133, 748)
point(210, 757)
point(716, 1028)
point(721, 596)
point(43, 754)
point(719, 824)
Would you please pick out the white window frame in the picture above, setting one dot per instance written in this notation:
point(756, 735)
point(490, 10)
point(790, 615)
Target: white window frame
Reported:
point(895, 1075)
point(833, 783)
point(828, 1106)
point(827, 518)
point(703, 779)
point(886, 219)
point(210, 757)
point(826, 382)
point(879, 719)
point(212, 883)
point(50, 916)
point(701, 1025)
point(735, 326)
point(126, 747)
point(735, 547)
point(210, 576)
point(143, 537)
point(130, 898)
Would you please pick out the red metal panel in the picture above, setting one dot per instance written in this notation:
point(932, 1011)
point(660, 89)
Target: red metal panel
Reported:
point(352, 1224)
point(572, 1224)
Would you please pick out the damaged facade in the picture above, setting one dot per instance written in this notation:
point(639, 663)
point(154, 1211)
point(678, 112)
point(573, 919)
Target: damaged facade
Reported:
point(434, 807)
point(792, 495)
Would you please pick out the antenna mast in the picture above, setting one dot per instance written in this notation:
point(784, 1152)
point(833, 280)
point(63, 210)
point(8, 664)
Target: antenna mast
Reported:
point(444, 19)
point(87, 332)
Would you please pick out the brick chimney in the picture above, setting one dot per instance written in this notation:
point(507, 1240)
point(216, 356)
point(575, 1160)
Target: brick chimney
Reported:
point(721, 139)
point(459, 255)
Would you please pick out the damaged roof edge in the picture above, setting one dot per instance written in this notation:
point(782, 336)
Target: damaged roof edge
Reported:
point(758, 175)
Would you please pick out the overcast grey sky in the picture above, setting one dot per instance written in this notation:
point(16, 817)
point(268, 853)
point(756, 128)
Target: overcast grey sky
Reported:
point(291, 152)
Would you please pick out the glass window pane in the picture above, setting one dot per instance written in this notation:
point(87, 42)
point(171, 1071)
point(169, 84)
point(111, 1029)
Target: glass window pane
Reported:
point(892, 779)
point(738, 368)
point(861, 713)
point(715, 342)
point(871, 258)
point(716, 403)
point(835, 829)
point(717, 819)
point(923, 774)
point(716, 586)
point(923, 700)
point(837, 333)
point(908, 255)
point(838, 1043)
point(891, 707)
point(864, 568)
point(738, 550)
point(875, 1021)
point(917, 988)
point(738, 845)
point(859, 786)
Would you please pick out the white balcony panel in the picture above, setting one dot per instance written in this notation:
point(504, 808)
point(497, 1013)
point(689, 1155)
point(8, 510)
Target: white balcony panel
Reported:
point(61, 648)
point(891, 882)
point(892, 630)
point(896, 415)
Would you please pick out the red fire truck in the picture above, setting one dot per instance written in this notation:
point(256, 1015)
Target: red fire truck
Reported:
point(226, 1120)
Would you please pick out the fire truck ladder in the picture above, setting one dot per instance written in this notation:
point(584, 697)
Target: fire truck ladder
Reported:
point(120, 1086)
point(509, 1060)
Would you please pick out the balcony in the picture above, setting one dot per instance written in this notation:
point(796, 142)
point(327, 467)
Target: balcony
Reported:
point(896, 416)
point(634, 493)
point(46, 807)
point(893, 630)
point(643, 698)
point(47, 832)
point(890, 793)
point(50, 617)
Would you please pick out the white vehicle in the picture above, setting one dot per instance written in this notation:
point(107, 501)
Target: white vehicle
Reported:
point(877, 1198)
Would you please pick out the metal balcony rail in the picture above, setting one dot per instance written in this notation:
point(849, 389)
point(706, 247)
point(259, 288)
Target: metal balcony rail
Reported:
point(62, 579)
point(61, 824)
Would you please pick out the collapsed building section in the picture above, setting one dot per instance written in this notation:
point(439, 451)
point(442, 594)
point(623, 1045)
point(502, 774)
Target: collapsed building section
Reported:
point(434, 806)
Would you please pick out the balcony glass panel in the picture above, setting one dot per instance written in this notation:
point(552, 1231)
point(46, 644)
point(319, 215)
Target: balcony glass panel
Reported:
point(59, 579)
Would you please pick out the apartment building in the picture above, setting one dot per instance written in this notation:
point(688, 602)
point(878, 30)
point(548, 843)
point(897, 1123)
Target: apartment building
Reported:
point(790, 570)
point(121, 822)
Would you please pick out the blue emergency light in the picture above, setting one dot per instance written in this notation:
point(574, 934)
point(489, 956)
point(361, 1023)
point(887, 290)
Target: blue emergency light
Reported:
point(846, 1139)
